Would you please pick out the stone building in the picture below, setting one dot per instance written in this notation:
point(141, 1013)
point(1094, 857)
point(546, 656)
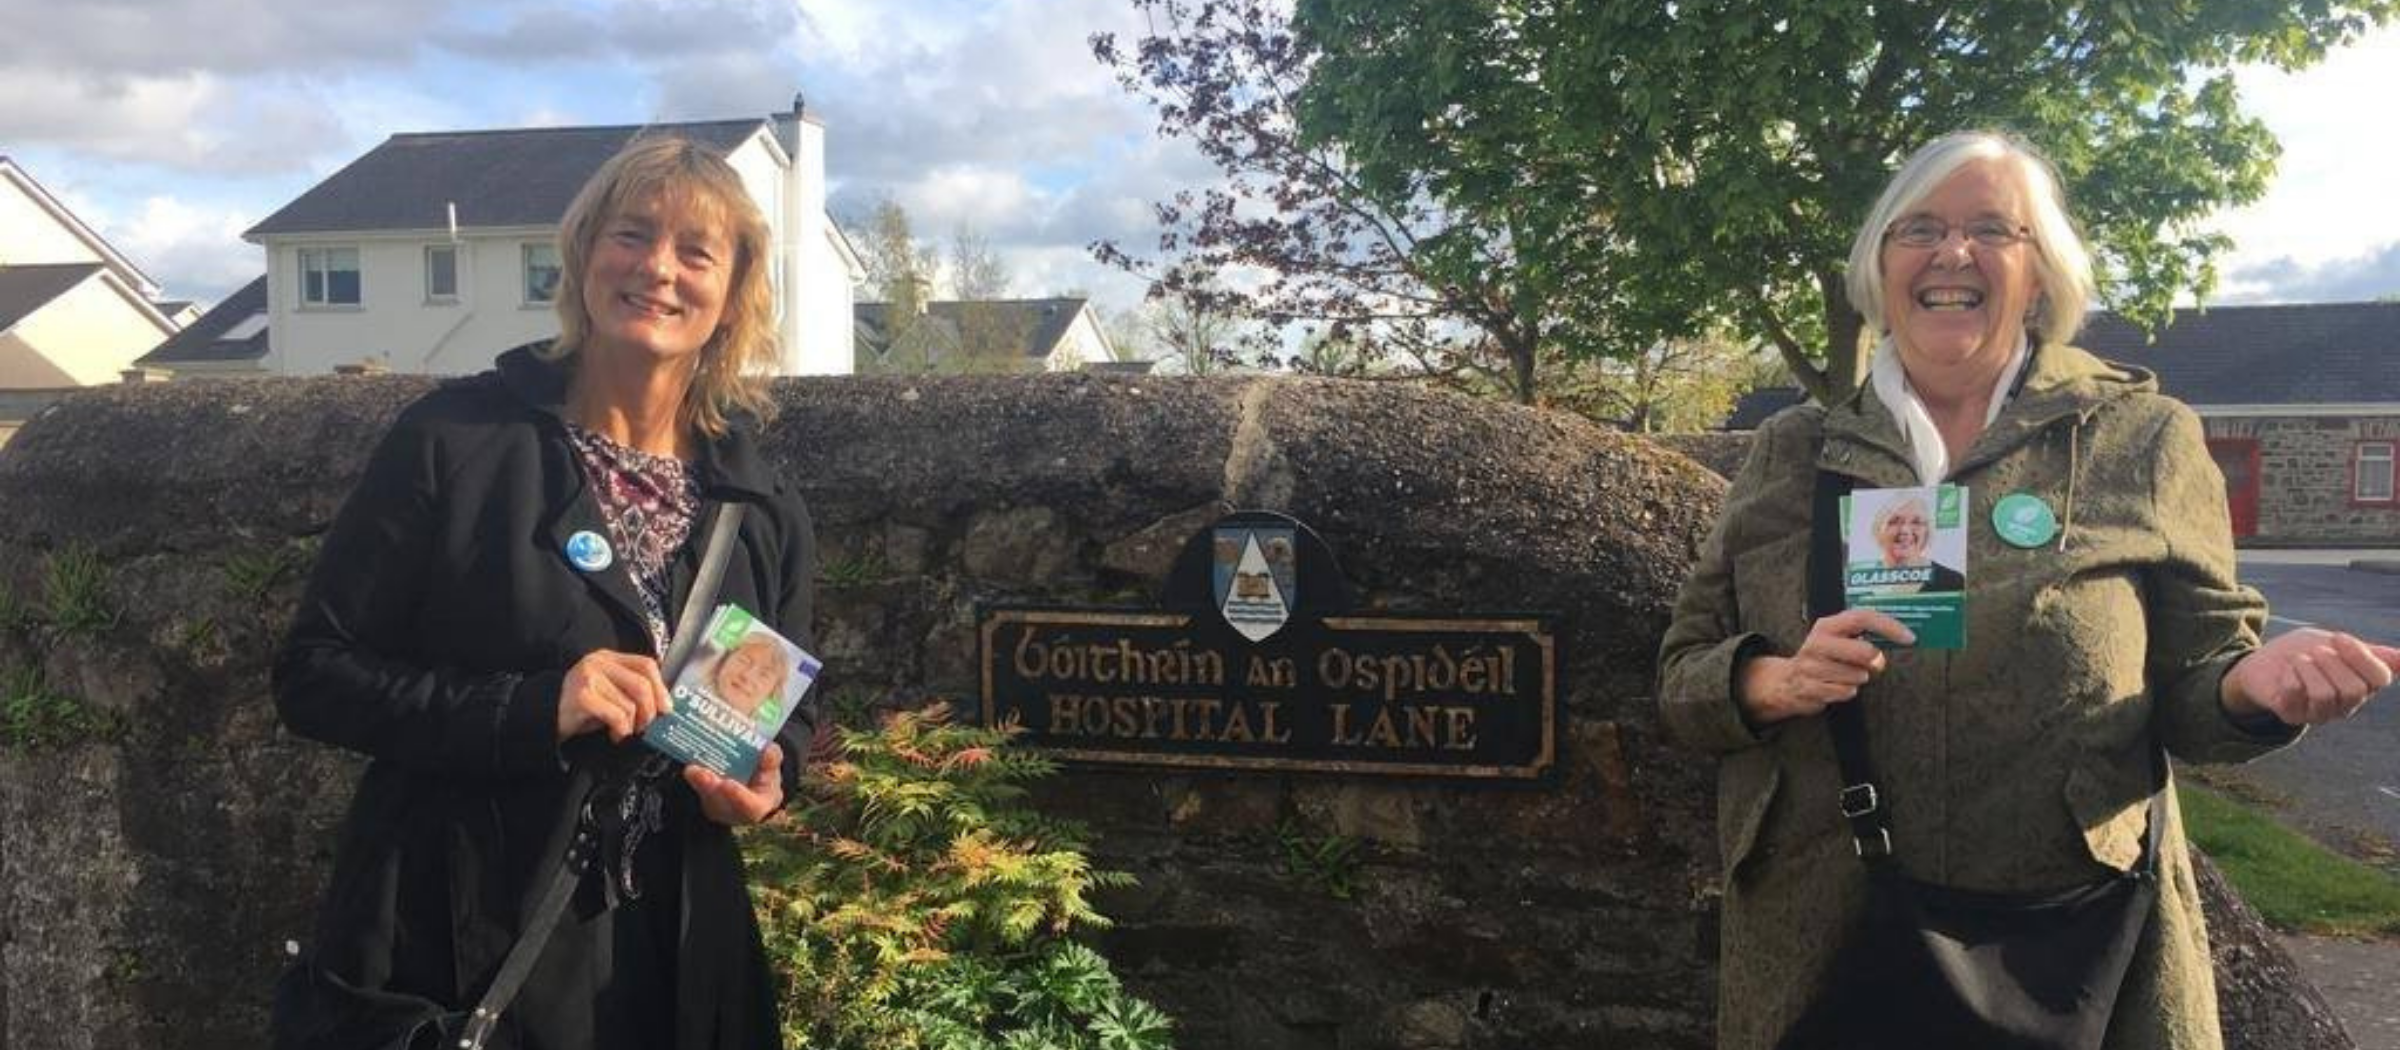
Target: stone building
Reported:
point(2301, 402)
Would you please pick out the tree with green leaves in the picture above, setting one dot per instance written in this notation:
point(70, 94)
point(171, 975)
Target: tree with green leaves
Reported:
point(1615, 173)
point(1459, 293)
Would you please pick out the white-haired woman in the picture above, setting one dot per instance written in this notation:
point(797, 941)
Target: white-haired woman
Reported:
point(488, 617)
point(2103, 621)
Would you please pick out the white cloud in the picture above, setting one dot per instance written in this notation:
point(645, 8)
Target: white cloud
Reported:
point(194, 252)
point(179, 121)
point(2332, 197)
point(100, 40)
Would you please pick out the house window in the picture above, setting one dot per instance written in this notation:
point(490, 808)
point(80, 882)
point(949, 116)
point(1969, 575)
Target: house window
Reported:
point(2371, 472)
point(329, 277)
point(541, 273)
point(441, 272)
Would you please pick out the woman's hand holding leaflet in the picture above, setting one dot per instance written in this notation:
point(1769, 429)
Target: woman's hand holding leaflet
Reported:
point(1832, 663)
point(619, 692)
point(733, 803)
point(2309, 677)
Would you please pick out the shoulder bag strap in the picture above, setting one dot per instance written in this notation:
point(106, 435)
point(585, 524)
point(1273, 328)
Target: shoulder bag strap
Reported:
point(1861, 798)
point(726, 522)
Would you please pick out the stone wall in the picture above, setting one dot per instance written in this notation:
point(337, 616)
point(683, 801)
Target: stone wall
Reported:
point(2304, 466)
point(149, 880)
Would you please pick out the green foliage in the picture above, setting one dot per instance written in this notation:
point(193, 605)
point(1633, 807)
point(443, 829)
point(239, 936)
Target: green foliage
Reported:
point(851, 572)
point(913, 902)
point(1327, 863)
point(251, 575)
point(1595, 177)
point(16, 614)
point(35, 717)
point(75, 598)
point(2294, 883)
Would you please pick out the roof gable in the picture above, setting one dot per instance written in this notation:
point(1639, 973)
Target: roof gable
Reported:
point(42, 198)
point(1033, 326)
point(2294, 354)
point(508, 177)
point(26, 289)
point(205, 339)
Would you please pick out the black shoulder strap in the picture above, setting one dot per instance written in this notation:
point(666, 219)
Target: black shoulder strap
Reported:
point(1862, 799)
point(580, 844)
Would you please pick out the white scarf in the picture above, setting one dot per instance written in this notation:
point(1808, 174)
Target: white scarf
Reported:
point(1916, 425)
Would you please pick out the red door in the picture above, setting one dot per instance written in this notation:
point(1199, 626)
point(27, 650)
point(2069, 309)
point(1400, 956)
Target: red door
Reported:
point(2237, 458)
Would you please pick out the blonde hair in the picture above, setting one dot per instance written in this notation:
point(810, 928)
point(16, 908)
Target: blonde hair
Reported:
point(733, 364)
point(2063, 264)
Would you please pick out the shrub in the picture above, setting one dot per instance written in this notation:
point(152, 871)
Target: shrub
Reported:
point(913, 902)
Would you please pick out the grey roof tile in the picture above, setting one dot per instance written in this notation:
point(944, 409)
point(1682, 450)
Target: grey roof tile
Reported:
point(202, 340)
point(507, 177)
point(2293, 354)
point(1044, 321)
point(29, 287)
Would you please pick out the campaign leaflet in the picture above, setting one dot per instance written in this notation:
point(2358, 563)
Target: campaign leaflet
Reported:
point(740, 684)
point(1906, 555)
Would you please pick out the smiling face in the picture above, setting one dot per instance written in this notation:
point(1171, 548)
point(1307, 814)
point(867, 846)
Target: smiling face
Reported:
point(1904, 531)
point(751, 673)
point(1959, 304)
point(655, 284)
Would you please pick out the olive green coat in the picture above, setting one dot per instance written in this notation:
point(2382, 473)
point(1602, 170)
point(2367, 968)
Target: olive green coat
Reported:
point(2018, 763)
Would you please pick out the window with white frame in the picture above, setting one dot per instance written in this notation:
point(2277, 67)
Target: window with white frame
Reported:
point(2371, 472)
point(441, 272)
point(329, 277)
point(541, 273)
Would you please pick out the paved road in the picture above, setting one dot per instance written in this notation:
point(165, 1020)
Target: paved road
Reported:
point(2342, 779)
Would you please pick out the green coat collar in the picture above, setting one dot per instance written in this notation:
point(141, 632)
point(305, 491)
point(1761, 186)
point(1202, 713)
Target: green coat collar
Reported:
point(1863, 441)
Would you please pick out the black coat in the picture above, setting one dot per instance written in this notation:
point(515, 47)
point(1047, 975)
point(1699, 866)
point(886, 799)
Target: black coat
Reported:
point(434, 636)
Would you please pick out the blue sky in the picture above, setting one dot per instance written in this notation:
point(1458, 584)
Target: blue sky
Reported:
point(173, 125)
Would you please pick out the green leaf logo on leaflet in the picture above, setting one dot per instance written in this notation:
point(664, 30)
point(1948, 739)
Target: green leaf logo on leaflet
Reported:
point(1907, 556)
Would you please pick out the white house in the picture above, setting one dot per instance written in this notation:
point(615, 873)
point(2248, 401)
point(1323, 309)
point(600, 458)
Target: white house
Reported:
point(73, 310)
point(1017, 335)
point(435, 251)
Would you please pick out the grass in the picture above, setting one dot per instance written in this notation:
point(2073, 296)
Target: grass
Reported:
point(2292, 881)
point(34, 717)
point(1327, 863)
point(75, 597)
point(851, 572)
point(251, 575)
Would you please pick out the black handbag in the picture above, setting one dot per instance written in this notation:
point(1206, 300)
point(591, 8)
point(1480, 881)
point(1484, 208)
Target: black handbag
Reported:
point(1930, 965)
point(316, 1009)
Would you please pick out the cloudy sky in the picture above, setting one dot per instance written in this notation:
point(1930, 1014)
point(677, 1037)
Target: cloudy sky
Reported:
point(173, 125)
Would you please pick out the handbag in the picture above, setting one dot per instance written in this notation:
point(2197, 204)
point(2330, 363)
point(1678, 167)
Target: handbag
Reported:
point(317, 1009)
point(1932, 965)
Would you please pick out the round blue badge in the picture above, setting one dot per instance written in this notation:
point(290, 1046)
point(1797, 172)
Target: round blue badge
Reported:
point(589, 551)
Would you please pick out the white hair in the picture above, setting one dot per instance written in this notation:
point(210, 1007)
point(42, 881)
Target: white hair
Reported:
point(2063, 265)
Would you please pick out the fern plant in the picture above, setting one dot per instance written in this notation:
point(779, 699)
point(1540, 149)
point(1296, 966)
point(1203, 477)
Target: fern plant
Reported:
point(914, 903)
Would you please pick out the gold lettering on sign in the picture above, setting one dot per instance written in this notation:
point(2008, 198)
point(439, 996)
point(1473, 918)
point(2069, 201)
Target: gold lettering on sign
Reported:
point(1475, 672)
point(1106, 663)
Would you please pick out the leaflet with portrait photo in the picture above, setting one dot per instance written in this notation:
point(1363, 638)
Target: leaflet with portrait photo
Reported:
point(741, 683)
point(1906, 555)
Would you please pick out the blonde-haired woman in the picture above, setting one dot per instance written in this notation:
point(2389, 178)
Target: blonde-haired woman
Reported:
point(486, 622)
point(2103, 624)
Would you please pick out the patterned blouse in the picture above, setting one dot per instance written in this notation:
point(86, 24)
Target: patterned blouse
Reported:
point(650, 503)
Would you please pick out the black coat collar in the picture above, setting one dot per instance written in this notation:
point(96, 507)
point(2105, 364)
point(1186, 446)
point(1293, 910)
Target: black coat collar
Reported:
point(730, 467)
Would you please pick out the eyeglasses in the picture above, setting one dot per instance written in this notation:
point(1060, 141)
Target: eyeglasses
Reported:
point(1925, 231)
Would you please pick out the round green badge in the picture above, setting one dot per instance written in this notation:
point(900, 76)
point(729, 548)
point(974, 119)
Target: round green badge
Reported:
point(2024, 520)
